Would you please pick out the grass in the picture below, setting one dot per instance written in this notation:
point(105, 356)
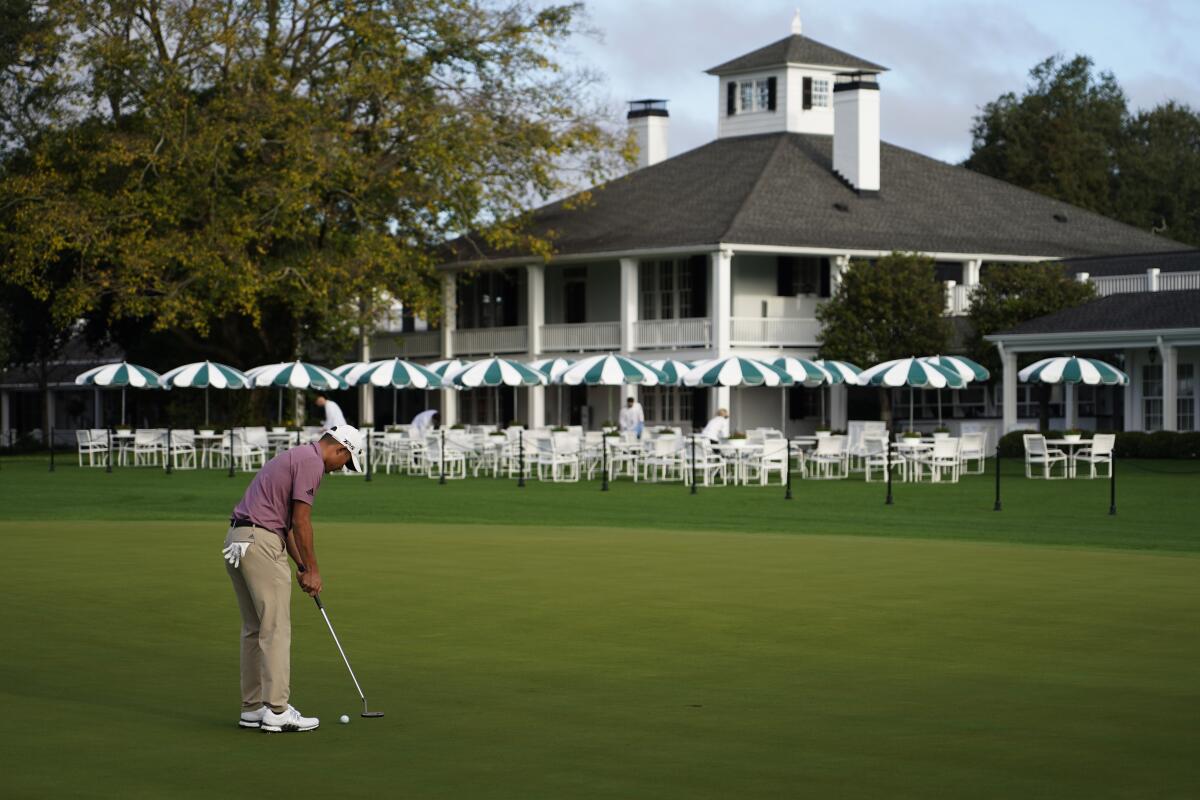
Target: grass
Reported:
point(560, 642)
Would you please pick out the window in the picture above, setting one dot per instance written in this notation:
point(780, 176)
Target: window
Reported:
point(1186, 400)
point(799, 275)
point(668, 289)
point(490, 299)
point(820, 93)
point(666, 405)
point(755, 95)
point(1152, 404)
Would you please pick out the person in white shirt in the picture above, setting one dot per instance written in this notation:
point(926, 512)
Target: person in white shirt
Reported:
point(333, 412)
point(422, 423)
point(632, 418)
point(717, 427)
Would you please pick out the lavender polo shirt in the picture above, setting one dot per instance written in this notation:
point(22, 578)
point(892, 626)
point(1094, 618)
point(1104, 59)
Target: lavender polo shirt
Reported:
point(292, 475)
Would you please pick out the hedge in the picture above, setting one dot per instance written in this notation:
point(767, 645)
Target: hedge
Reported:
point(1130, 444)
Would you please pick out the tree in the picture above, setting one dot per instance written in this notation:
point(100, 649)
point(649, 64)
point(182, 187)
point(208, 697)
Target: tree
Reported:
point(885, 309)
point(1159, 168)
point(1009, 294)
point(178, 163)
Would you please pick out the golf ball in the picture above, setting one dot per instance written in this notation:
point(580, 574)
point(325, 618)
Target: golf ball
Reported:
point(344, 719)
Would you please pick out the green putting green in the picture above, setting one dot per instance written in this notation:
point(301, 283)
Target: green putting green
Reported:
point(568, 651)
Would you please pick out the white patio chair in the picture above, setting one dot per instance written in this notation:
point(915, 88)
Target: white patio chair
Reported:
point(245, 455)
point(183, 449)
point(875, 457)
point(96, 448)
point(830, 460)
point(148, 444)
point(942, 460)
point(454, 460)
point(771, 459)
point(1038, 454)
point(661, 459)
point(1100, 451)
point(709, 464)
point(971, 448)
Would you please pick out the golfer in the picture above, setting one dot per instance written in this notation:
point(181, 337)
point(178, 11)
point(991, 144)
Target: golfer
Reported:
point(273, 520)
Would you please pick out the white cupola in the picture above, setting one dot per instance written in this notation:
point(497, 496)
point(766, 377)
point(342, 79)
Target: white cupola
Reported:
point(791, 85)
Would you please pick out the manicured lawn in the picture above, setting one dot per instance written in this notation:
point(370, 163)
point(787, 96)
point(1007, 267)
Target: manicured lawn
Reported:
point(558, 642)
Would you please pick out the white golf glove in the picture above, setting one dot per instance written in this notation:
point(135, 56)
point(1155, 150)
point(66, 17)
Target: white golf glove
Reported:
point(234, 553)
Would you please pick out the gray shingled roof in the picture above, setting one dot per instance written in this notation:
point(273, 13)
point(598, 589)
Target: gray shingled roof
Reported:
point(1122, 312)
point(1134, 263)
point(795, 49)
point(780, 189)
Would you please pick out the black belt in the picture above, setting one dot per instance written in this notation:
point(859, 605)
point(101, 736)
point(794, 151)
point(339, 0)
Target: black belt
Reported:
point(242, 523)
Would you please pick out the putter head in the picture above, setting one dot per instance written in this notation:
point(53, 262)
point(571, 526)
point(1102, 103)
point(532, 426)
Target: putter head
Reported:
point(372, 713)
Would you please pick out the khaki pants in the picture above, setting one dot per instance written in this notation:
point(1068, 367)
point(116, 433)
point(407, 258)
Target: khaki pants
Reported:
point(263, 585)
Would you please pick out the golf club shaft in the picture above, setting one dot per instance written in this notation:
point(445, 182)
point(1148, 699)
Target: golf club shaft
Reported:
point(340, 650)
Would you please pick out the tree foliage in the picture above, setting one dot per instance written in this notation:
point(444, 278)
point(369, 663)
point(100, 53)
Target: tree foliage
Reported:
point(182, 161)
point(1070, 135)
point(1009, 294)
point(890, 308)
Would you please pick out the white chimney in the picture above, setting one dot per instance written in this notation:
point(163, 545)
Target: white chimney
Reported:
point(856, 130)
point(648, 120)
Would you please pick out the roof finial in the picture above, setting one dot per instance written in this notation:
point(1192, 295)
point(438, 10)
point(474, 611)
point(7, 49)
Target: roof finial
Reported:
point(796, 23)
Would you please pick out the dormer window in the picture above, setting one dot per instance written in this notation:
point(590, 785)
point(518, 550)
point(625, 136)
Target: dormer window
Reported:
point(750, 96)
point(815, 93)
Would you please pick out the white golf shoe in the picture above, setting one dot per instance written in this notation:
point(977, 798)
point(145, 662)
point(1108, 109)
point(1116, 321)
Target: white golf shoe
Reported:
point(288, 721)
point(252, 719)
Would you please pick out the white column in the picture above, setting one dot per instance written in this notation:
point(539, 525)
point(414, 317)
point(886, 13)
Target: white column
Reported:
point(1070, 407)
point(837, 266)
point(1009, 413)
point(366, 393)
point(1170, 383)
point(970, 272)
point(629, 304)
point(449, 399)
point(1131, 416)
point(838, 411)
point(1152, 279)
point(535, 315)
point(721, 294)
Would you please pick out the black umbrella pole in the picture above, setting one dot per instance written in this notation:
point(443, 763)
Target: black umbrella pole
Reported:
point(603, 460)
point(442, 468)
point(108, 453)
point(787, 468)
point(521, 459)
point(369, 455)
point(168, 466)
point(997, 507)
point(231, 452)
point(694, 462)
point(887, 449)
point(1112, 485)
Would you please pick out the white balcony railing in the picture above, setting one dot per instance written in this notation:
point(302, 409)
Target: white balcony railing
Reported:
point(1173, 281)
point(1120, 284)
point(958, 298)
point(406, 345)
point(773, 332)
point(656, 334)
point(578, 337)
point(488, 341)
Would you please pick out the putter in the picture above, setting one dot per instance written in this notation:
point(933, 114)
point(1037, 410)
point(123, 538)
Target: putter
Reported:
point(365, 712)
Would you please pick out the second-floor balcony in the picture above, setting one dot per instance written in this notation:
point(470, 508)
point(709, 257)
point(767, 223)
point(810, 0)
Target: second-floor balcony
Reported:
point(773, 332)
point(668, 334)
point(581, 337)
point(490, 341)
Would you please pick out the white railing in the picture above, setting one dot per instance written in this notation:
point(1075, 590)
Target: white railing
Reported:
point(958, 298)
point(486, 341)
point(665, 333)
point(406, 345)
point(1173, 281)
point(773, 332)
point(577, 337)
point(1120, 284)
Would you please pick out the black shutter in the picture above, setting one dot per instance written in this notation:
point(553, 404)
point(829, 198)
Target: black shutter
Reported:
point(730, 98)
point(807, 93)
point(826, 281)
point(785, 276)
point(771, 82)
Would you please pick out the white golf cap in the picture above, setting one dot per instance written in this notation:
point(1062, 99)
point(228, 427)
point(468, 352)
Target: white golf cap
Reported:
point(352, 438)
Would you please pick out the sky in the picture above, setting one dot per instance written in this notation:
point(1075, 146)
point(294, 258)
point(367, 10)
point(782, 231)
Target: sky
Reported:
point(945, 59)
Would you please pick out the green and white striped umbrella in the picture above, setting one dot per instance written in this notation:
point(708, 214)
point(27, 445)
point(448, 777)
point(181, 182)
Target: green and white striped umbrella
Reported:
point(204, 375)
point(497, 372)
point(802, 370)
point(1072, 370)
point(396, 373)
point(911, 372)
point(350, 371)
point(840, 371)
point(967, 369)
point(673, 369)
point(552, 367)
point(297, 375)
point(611, 370)
point(122, 374)
point(736, 371)
point(447, 369)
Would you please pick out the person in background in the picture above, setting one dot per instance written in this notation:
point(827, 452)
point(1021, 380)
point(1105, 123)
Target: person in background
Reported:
point(333, 412)
point(422, 423)
point(717, 427)
point(632, 418)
